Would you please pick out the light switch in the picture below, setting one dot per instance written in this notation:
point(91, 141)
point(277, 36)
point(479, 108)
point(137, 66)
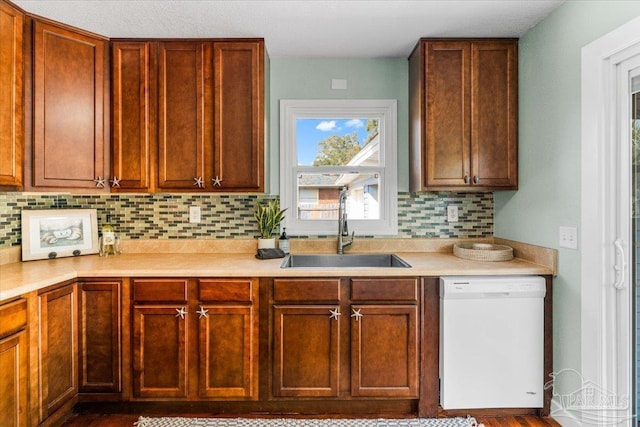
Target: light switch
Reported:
point(568, 237)
point(194, 214)
point(340, 84)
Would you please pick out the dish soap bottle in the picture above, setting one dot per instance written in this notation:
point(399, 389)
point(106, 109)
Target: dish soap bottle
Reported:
point(108, 241)
point(283, 243)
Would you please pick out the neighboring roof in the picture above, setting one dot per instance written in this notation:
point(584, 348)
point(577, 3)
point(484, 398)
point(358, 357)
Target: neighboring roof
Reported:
point(369, 155)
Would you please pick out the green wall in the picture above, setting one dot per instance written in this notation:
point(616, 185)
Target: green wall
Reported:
point(367, 78)
point(549, 150)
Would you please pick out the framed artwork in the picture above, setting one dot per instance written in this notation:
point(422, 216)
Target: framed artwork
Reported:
point(55, 233)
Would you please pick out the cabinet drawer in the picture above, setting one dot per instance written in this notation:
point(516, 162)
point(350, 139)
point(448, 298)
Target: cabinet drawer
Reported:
point(398, 289)
point(154, 290)
point(226, 290)
point(13, 317)
point(306, 290)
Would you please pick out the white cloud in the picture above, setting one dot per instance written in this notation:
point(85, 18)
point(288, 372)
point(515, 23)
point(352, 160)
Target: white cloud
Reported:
point(326, 126)
point(354, 123)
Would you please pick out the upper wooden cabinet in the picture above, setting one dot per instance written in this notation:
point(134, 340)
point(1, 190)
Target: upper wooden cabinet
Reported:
point(184, 115)
point(239, 115)
point(11, 97)
point(69, 101)
point(463, 115)
point(132, 115)
point(206, 99)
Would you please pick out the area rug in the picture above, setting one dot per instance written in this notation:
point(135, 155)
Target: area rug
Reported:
point(295, 422)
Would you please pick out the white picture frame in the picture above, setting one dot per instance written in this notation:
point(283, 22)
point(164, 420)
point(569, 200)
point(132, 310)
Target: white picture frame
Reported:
point(56, 233)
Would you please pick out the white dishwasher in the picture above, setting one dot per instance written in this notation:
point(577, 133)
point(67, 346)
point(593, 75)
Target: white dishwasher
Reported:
point(491, 342)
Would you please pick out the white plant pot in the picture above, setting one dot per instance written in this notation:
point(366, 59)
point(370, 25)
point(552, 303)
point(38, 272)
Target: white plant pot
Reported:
point(266, 243)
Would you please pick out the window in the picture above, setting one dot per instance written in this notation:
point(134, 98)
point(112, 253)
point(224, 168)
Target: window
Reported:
point(327, 145)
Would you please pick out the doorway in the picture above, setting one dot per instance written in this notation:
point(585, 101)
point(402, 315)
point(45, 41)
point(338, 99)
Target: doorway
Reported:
point(610, 69)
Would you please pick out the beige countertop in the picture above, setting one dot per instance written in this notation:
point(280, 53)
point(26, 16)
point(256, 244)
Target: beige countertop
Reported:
point(19, 278)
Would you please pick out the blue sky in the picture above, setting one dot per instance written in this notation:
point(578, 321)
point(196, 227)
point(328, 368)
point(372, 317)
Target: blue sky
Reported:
point(309, 132)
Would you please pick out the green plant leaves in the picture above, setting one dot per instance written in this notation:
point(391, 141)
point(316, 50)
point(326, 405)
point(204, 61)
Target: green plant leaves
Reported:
point(269, 217)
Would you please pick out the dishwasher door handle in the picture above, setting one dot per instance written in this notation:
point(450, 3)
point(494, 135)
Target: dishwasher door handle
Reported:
point(497, 294)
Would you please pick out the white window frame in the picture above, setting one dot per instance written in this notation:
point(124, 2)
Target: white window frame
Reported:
point(385, 110)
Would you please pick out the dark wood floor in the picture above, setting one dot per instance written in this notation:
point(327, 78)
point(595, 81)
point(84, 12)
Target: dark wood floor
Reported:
point(128, 420)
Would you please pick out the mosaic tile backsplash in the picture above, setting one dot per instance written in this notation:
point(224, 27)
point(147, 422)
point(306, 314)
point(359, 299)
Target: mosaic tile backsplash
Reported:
point(166, 216)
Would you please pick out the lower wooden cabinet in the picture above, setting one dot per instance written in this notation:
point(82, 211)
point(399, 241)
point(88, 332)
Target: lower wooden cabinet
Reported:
point(100, 336)
point(376, 318)
point(159, 351)
point(385, 347)
point(14, 359)
point(58, 348)
point(228, 338)
point(384, 351)
point(160, 324)
point(195, 329)
point(306, 356)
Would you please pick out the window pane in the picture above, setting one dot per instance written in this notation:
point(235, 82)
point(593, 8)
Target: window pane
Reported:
point(318, 195)
point(337, 142)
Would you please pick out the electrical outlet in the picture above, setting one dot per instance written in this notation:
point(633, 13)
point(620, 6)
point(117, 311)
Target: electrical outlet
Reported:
point(194, 214)
point(568, 237)
point(452, 213)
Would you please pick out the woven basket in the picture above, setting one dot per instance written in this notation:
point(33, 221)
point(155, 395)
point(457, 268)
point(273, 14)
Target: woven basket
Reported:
point(483, 251)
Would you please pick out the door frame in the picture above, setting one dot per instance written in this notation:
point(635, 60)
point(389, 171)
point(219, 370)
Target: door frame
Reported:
point(605, 313)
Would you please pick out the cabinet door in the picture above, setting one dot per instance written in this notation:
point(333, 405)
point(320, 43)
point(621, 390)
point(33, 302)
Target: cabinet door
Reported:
point(100, 327)
point(68, 141)
point(184, 110)
point(228, 345)
point(13, 364)
point(11, 97)
point(133, 124)
point(306, 353)
point(384, 351)
point(159, 351)
point(58, 348)
point(448, 129)
point(494, 104)
point(228, 338)
point(239, 115)
point(13, 380)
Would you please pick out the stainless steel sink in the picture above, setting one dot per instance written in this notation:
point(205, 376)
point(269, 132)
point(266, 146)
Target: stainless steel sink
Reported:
point(344, 261)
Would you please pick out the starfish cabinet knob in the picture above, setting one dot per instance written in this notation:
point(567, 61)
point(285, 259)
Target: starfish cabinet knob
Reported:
point(356, 313)
point(199, 182)
point(181, 312)
point(115, 182)
point(217, 181)
point(334, 314)
point(99, 182)
point(203, 313)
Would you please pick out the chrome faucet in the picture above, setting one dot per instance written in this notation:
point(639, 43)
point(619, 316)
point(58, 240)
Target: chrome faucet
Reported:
point(343, 229)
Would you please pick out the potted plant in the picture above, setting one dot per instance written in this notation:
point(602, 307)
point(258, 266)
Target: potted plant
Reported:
point(269, 217)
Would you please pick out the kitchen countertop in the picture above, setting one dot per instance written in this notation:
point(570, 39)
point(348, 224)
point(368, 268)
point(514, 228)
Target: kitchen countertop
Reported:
point(22, 277)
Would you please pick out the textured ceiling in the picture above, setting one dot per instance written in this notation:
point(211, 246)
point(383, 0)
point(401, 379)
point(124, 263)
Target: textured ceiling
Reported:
point(302, 28)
